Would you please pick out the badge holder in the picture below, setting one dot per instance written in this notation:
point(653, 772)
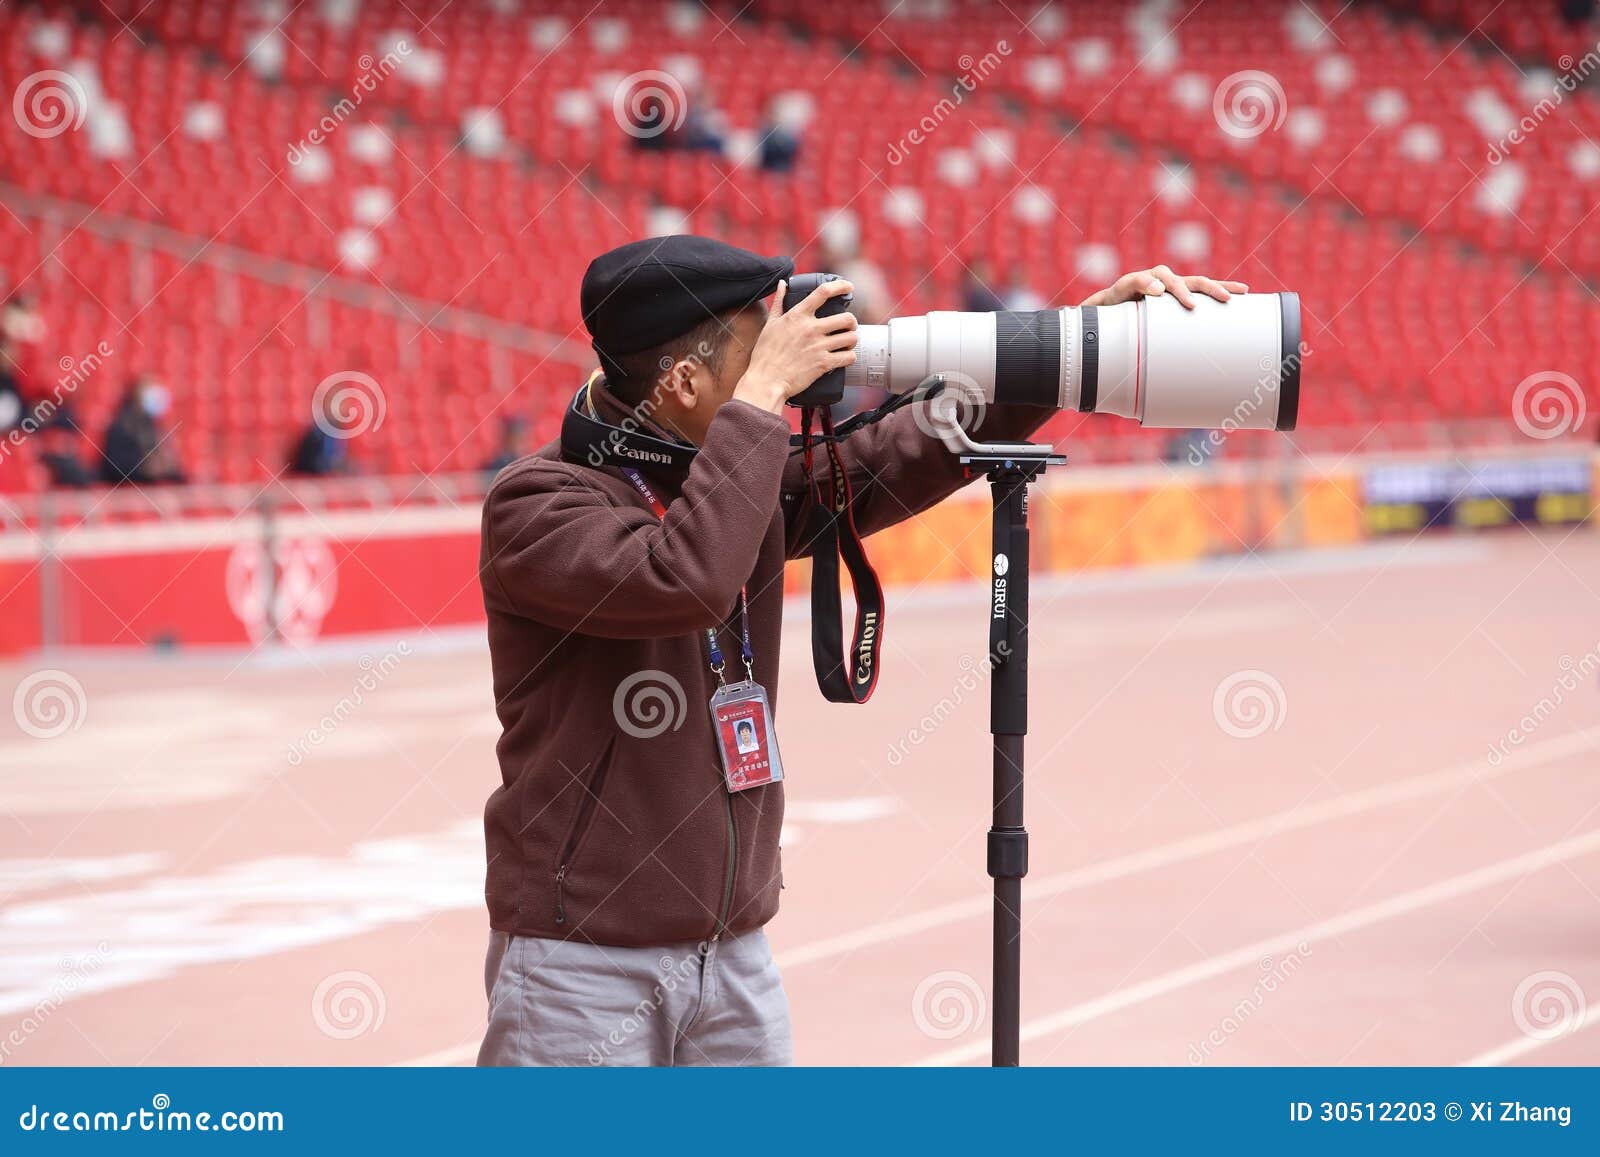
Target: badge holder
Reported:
point(742, 717)
point(745, 740)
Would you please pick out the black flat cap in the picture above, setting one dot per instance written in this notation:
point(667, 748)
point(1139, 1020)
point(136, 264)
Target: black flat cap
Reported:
point(648, 292)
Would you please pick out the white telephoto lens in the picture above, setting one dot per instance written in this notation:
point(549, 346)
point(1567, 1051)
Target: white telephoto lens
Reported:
point(1220, 365)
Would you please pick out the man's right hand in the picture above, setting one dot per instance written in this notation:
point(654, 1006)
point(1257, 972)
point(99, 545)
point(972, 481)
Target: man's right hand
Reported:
point(796, 348)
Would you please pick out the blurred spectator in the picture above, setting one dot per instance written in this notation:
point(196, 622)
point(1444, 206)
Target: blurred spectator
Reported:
point(135, 449)
point(705, 129)
point(1189, 448)
point(976, 294)
point(1020, 296)
point(661, 123)
point(870, 303)
point(872, 299)
point(780, 139)
point(512, 431)
point(1577, 11)
point(11, 400)
point(19, 321)
point(321, 452)
point(59, 441)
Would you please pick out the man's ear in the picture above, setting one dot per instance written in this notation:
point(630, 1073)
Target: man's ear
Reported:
point(693, 383)
point(672, 386)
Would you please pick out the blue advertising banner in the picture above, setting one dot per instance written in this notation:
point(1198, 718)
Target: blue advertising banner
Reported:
point(1412, 496)
point(1310, 1110)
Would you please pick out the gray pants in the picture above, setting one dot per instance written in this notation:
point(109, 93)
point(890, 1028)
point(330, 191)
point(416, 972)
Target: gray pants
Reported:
point(556, 1002)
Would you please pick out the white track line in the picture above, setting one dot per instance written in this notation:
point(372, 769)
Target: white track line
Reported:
point(1165, 855)
point(445, 1058)
point(1207, 843)
point(1524, 1045)
point(1249, 954)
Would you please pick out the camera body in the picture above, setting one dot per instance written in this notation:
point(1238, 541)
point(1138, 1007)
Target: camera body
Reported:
point(827, 390)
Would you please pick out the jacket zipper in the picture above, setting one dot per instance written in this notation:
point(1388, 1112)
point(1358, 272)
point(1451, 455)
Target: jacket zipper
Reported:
point(580, 829)
point(732, 867)
point(731, 871)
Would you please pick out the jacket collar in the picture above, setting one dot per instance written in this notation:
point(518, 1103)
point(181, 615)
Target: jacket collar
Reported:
point(613, 410)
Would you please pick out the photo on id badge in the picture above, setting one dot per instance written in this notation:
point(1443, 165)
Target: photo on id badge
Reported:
point(745, 740)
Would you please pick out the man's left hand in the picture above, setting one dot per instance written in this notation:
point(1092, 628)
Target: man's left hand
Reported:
point(1161, 280)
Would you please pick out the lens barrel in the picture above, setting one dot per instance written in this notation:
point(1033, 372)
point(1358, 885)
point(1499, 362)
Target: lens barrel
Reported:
point(1233, 365)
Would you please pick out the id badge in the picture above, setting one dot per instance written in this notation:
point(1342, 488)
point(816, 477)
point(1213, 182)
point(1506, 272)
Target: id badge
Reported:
point(743, 723)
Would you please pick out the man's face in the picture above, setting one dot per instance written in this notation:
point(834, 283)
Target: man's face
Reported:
point(743, 329)
point(687, 398)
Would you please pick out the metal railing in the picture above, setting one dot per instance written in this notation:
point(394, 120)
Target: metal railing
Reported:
point(71, 216)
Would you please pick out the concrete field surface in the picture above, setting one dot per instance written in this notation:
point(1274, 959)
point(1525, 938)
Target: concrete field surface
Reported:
point(1327, 808)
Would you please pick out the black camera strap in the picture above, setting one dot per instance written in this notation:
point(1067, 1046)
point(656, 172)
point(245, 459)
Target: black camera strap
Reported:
point(841, 678)
point(588, 439)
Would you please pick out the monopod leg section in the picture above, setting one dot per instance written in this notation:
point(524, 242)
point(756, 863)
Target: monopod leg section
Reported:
point(1008, 713)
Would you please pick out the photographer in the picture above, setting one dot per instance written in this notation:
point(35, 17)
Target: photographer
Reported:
point(633, 843)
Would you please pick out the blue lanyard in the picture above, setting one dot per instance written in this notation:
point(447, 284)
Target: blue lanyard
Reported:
point(718, 665)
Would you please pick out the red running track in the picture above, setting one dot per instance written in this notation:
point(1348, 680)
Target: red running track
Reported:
point(1368, 880)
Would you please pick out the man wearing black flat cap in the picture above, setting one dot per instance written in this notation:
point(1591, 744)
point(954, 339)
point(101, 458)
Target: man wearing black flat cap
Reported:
point(634, 601)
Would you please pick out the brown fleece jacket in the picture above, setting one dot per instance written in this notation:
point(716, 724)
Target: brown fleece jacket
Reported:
point(611, 824)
